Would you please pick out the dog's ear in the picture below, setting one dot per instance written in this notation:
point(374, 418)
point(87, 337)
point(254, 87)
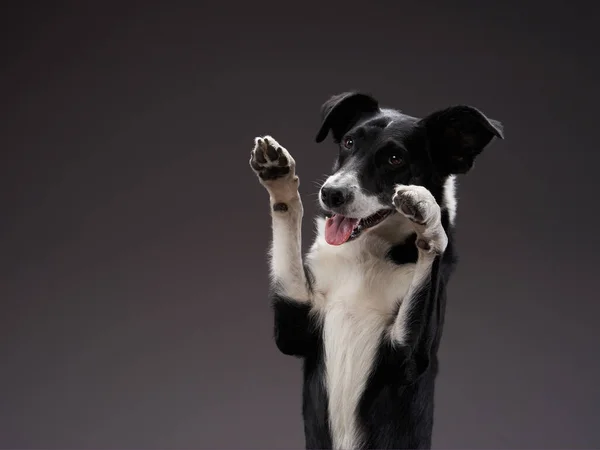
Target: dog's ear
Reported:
point(341, 111)
point(457, 135)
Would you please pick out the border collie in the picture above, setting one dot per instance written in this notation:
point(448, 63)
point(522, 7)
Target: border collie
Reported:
point(364, 308)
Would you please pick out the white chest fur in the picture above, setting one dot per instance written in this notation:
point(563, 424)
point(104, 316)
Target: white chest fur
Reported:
point(357, 292)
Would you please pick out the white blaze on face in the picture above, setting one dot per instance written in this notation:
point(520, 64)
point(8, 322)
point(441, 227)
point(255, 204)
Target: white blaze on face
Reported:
point(362, 204)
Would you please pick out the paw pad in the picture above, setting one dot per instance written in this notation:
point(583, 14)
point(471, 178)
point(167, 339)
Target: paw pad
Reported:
point(269, 160)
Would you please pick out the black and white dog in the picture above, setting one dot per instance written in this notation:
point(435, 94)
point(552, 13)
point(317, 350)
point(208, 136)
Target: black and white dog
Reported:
point(364, 308)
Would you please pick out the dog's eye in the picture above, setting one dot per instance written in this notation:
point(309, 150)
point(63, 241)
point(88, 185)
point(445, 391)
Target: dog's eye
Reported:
point(348, 142)
point(395, 160)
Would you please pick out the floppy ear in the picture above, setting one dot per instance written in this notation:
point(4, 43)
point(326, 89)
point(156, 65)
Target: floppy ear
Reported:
point(457, 135)
point(342, 111)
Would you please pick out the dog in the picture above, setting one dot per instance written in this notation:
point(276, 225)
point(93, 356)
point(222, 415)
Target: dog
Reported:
point(364, 308)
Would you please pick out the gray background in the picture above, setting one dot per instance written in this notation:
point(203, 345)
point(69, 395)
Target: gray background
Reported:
point(133, 234)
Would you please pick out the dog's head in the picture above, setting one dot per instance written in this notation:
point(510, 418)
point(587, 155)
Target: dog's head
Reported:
point(380, 148)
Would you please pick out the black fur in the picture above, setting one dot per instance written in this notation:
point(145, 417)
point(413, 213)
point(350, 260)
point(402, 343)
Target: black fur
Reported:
point(397, 406)
point(280, 207)
point(298, 333)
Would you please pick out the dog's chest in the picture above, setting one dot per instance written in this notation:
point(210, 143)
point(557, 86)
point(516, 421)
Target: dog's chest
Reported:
point(357, 293)
point(357, 277)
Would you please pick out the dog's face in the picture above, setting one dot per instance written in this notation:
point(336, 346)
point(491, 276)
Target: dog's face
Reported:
point(380, 148)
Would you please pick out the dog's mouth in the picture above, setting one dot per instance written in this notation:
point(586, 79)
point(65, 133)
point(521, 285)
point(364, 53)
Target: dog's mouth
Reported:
point(340, 229)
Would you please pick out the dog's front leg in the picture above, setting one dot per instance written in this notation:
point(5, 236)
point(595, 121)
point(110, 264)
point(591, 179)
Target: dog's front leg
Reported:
point(276, 171)
point(415, 325)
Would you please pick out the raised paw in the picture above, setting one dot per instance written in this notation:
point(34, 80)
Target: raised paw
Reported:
point(270, 161)
point(416, 203)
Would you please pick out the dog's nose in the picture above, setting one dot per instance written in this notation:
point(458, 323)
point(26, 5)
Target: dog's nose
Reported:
point(335, 197)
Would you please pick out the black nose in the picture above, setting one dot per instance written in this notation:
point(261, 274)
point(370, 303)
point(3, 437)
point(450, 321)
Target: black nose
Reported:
point(335, 197)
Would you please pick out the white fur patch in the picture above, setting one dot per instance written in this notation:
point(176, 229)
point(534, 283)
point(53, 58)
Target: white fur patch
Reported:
point(449, 198)
point(356, 292)
point(286, 252)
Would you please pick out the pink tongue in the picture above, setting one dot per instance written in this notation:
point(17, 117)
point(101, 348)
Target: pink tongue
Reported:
point(338, 229)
